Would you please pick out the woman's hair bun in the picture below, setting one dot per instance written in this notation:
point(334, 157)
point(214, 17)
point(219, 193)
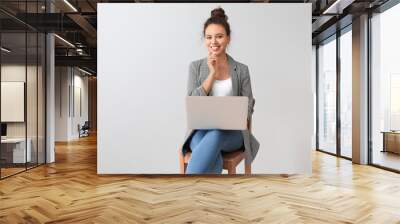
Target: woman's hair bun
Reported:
point(218, 13)
point(218, 17)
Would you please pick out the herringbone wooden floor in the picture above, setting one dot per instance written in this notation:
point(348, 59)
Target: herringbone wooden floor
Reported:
point(70, 191)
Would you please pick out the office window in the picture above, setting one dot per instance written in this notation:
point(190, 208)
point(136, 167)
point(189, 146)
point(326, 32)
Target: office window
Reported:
point(385, 88)
point(327, 96)
point(346, 94)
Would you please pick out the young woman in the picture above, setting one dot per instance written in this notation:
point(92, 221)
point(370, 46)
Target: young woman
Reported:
point(218, 75)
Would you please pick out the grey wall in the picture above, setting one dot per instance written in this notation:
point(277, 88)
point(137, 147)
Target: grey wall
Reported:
point(69, 82)
point(142, 73)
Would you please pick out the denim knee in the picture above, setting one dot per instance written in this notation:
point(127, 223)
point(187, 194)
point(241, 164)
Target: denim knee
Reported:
point(215, 133)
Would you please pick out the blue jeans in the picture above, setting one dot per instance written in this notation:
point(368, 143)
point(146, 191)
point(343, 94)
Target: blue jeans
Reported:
point(207, 145)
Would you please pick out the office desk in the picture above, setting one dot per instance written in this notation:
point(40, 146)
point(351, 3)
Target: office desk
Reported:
point(391, 141)
point(13, 150)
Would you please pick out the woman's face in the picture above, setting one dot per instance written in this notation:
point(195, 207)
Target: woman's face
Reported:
point(216, 39)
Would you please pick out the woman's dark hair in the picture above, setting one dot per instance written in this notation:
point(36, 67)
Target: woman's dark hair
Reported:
point(218, 17)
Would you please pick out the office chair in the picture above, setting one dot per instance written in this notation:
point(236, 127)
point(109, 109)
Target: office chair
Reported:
point(84, 130)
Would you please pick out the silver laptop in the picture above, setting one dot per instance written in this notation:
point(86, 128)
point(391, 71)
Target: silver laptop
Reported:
point(216, 112)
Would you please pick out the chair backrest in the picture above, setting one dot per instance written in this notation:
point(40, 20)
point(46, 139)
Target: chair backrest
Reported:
point(86, 125)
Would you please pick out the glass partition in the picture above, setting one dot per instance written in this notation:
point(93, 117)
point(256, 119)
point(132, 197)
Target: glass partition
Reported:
point(22, 77)
point(14, 153)
point(32, 95)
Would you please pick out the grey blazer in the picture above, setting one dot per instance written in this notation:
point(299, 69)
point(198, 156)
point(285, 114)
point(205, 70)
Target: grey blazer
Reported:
point(241, 86)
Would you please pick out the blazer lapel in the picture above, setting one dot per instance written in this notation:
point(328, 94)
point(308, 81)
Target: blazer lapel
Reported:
point(203, 71)
point(234, 75)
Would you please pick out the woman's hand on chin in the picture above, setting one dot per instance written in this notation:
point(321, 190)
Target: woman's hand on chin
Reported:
point(212, 63)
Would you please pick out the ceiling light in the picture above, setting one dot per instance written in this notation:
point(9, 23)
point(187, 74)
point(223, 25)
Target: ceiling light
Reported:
point(84, 71)
point(70, 5)
point(5, 50)
point(337, 7)
point(65, 41)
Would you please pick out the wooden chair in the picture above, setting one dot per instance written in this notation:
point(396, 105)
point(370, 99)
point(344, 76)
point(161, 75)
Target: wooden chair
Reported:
point(230, 160)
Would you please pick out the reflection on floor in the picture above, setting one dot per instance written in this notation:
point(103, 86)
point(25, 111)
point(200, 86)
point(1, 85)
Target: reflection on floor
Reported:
point(10, 169)
point(347, 152)
point(386, 159)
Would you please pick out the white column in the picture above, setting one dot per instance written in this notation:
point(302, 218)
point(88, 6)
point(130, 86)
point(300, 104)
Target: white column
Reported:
point(50, 110)
point(50, 92)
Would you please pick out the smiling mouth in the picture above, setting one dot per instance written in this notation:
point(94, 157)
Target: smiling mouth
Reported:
point(215, 47)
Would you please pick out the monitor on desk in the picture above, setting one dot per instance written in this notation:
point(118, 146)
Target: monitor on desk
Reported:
point(3, 130)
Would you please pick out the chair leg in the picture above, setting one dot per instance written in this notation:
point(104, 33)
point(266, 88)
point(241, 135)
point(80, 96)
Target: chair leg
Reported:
point(247, 168)
point(231, 170)
point(182, 165)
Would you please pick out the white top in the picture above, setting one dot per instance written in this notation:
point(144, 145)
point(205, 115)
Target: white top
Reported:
point(222, 88)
